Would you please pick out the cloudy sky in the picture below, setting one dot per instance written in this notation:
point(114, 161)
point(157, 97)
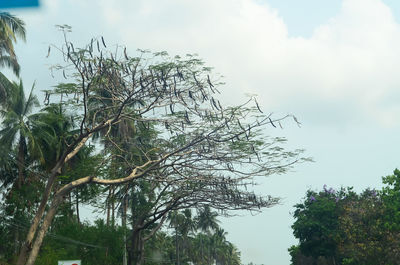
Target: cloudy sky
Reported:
point(331, 63)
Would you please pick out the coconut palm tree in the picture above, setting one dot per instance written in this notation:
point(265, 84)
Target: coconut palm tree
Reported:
point(207, 220)
point(18, 140)
point(17, 126)
point(218, 241)
point(233, 255)
point(11, 28)
point(197, 252)
point(184, 224)
point(54, 130)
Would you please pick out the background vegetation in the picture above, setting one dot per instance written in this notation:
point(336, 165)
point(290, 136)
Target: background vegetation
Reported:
point(344, 227)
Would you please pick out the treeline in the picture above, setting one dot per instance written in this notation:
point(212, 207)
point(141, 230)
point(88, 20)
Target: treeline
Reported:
point(345, 227)
point(186, 239)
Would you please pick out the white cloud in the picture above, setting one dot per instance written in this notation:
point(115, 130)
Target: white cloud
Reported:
point(347, 69)
point(348, 64)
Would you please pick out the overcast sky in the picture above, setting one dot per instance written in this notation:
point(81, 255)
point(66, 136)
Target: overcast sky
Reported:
point(334, 64)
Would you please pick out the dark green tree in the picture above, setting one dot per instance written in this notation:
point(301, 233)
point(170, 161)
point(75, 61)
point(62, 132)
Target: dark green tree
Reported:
point(364, 236)
point(348, 228)
point(317, 226)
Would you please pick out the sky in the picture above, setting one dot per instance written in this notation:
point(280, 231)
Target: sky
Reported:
point(333, 64)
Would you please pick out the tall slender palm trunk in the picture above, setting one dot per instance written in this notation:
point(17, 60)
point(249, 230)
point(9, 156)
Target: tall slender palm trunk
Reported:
point(77, 207)
point(21, 161)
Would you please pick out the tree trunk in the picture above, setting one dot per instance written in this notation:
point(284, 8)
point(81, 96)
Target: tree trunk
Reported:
point(108, 206)
point(113, 208)
point(16, 241)
point(39, 214)
point(177, 262)
point(124, 209)
point(43, 229)
point(77, 206)
point(26, 247)
point(137, 247)
point(21, 161)
point(20, 182)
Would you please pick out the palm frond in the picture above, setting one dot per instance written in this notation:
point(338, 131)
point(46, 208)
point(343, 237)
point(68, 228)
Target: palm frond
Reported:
point(31, 102)
point(17, 25)
point(10, 62)
point(7, 137)
point(11, 28)
point(6, 89)
point(19, 102)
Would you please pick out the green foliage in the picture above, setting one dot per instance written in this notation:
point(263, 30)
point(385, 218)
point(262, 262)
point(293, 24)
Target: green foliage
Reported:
point(364, 239)
point(348, 228)
point(199, 239)
point(93, 244)
point(316, 224)
point(391, 199)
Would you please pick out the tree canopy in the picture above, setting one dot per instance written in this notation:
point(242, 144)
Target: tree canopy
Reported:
point(343, 227)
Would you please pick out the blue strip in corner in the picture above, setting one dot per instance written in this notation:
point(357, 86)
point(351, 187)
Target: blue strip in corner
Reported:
point(18, 3)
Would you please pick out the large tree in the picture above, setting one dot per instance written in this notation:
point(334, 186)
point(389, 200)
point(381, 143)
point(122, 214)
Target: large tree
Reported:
point(343, 227)
point(201, 144)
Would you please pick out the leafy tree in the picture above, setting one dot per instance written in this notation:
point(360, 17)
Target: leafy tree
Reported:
point(370, 225)
point(348, 228)
point(364, 238)
point(391, 199)
point(203, 146)
point(317, 224)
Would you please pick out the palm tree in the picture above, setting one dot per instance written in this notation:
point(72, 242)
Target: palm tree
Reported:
point(197, 251)
point(207, 220)
point(218, 241)
point(54, 131)
point(16, 128)
point(18, 140)
point(232, 254)
point(11, 28)
point(6, 91)
point(184, 224)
